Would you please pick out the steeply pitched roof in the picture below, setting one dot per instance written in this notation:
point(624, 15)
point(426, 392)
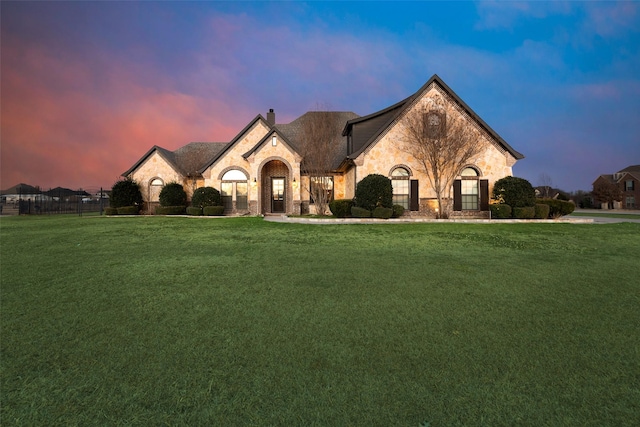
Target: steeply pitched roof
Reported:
point(186, 160)
point(294, 132)
point(234, 141)
point(366, 130)
point(634, 168)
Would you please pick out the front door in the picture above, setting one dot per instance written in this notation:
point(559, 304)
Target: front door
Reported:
point(277, 195)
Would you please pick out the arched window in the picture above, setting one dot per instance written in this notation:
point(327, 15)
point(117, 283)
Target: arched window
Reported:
point(469, 189)
point(400, 183)
point(155, 186)
point(234, 187)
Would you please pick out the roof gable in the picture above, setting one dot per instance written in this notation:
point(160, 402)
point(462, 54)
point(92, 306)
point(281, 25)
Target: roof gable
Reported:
point(267, 137)
point(370, 128)
point(235, 141)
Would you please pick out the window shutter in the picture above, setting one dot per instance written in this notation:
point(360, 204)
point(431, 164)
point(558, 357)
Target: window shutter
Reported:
point(414, 200)
point(484, 194)
point(457, 195)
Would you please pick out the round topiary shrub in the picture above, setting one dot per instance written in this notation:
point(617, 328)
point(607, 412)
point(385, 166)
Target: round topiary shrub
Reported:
point(527, 212)
point(374, 190)
point(206, 196)
point(125, 192)
point(173, 194)
point(213, 210)
point(357, 212)
point(398, 211)
point(500, 211)
point(341, 208)
point(194, 211)
point(515, 192)
point(382, 213)
point(542, 211)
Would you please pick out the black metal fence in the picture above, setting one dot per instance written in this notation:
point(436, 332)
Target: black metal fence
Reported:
point(49, 203)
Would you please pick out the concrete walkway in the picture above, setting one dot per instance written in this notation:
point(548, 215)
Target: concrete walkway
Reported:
point(304, 220)
point(602, 220)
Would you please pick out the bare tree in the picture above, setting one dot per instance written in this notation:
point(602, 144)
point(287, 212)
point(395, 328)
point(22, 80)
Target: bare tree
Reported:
point(544, 180)
point(320, 134)
point(443, 143)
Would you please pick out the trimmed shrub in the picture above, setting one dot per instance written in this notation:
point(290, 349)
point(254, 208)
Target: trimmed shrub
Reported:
point(398, 211)
point(558, 208)
point(170, 210)
point(374, 190)
point(542, 211)
point(527, 212)
point(173, 194)
point(111, 211)
point(206, 196)
point(341, 208)
point(515, 192)
point(382, 213)
point(125, 192)
point(213, 210)
point(128, 210)
point(193, 211)
point(358, 212)
point(500, 211)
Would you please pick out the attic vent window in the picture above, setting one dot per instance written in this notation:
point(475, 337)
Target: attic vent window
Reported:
point(274, 141)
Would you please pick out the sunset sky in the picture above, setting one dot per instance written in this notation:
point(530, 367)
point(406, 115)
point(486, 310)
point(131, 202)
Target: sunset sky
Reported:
point(89, 87)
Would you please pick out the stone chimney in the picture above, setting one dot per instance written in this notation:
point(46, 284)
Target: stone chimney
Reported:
point(271, 117)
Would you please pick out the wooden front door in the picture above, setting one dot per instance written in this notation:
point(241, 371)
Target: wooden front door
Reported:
point(277, 195)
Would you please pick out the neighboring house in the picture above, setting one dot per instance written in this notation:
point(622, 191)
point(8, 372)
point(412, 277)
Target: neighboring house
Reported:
point(21, 192)
point(628, 181)
point(259, 171)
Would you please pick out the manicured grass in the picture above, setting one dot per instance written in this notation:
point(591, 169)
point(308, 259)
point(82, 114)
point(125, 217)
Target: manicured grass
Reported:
point(215, 321)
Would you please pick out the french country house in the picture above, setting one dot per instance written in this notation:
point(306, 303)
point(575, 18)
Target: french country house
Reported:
point(262, 170)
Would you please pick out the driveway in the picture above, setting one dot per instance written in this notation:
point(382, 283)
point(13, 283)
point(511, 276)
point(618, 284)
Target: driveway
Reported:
point(584, 213)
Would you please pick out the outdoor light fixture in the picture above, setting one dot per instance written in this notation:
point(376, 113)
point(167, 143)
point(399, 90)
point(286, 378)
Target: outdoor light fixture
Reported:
point(254, 183)
point(295, 184)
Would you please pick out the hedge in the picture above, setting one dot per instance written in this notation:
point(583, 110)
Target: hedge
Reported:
point(515, 192)
point(527, 212)
point(194, 211)
point(542, 211)
point(128, 210)
point(398, 211)
point(111, 211)
point(500, 211)
point(173, 194)
point(125, 192)
point(558, 208)
point(170, 210)
point(213, 210)
point(357, 212)
point(206, 196)
point(341, 208)
point(374, 190)
point(382, 213)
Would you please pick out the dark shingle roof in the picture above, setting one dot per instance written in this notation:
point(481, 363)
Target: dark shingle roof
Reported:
point(294, 132)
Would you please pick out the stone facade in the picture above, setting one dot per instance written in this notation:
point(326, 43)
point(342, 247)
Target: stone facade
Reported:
point(244, 168)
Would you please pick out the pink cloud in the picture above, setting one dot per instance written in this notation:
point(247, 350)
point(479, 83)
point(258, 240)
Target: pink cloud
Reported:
point(72, 122)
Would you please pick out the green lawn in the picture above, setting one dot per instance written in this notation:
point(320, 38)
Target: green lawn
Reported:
point(195, 321)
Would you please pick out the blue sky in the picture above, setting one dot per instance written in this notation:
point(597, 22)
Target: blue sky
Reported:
point(88, 87)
